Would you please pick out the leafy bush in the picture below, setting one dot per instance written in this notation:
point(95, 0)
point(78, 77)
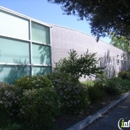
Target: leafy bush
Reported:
point(124, 75)
point(113, 88)
point(103, 87)
point(33, 82)
point(12, 126)
point(73, 97)
point(39, 107)
point(9, 99)
point(116, 86)
point(31, 101)
point(96, 93)
point(83, 65)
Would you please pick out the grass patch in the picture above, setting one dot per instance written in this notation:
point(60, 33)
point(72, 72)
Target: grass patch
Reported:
point(88, 83)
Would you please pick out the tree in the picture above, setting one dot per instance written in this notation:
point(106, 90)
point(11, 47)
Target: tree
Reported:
point(83, 65)
point(103, 15)
point(120, 42)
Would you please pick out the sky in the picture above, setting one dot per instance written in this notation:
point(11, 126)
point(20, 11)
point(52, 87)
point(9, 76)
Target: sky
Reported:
point(48, 13)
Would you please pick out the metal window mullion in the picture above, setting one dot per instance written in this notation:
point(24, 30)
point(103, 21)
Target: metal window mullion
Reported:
point(40, 65)
point(50, 47)
point(14, 38)
point(40, 43)
point(30, 47)
point(14, 64)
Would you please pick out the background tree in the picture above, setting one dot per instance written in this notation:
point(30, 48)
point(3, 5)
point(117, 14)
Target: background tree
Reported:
point(120, 42)
point(83, 65)
point(103, 15)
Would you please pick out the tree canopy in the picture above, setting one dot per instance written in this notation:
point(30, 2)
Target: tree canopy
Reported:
point(120, 42)
point(104, 16)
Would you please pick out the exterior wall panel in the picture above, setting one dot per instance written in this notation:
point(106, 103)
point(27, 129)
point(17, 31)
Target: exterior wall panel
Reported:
point(64, 39)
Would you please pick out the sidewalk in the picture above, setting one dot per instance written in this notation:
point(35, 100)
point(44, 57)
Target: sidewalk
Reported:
point(110, 120)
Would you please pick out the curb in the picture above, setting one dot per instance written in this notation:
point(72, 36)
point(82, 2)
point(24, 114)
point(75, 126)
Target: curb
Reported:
point(87, 121)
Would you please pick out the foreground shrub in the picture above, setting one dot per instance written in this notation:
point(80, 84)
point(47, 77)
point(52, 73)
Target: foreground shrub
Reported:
point(73, 97)
point(124, 75)
point(96, 93)
point(35, 107)
point(121, 85)
point(39, 107)
point(104, 87)
point(33, 82)
point(12, 126)
point(9, 99)
point(113, 88)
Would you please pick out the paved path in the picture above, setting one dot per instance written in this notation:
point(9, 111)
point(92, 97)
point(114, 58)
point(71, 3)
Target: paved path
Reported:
point(110, 120)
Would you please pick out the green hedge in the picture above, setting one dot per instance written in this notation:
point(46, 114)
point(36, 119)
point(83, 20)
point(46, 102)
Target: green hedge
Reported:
point(9, 99)
point(124, 75)
point(73, 97)
point(39, 107)
point(34, 102)
point(28, 82)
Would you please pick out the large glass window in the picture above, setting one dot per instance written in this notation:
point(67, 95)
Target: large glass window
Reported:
point(40, 33)
point(24, 47)
point(13, 51)
point(41, 70)
point(41, 54)
point(11, 25)
point(10, 73)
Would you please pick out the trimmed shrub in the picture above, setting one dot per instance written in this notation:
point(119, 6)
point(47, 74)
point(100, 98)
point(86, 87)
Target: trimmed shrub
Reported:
point(33, 82)
point(116, 86)
point(73, 97)
point(39, 107)
point(113, 88)
point(96, 93)
point(113, 91)
point(104, 87)
point(124, 75)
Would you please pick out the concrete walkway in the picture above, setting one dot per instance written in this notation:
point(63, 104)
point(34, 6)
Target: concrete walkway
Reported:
point(109, 121)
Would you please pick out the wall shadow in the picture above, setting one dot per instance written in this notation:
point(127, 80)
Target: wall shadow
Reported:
point(42, 70)
point(10, 73)
point(45, 55)
point(125, 64)
point(111, 66)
